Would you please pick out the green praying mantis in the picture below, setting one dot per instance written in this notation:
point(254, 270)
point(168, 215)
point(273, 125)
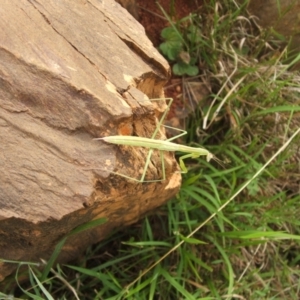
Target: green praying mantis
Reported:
point(160, 145)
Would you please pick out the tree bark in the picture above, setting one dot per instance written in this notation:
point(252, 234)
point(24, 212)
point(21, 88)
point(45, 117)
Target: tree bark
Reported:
point(70, 71)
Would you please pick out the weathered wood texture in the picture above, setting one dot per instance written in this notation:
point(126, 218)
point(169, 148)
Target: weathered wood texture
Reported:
point(72, 70)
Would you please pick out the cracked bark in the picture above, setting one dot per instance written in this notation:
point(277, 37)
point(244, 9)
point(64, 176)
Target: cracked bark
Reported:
point(71, 71)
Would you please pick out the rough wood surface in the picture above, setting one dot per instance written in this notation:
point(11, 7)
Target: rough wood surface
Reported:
point(72, 70)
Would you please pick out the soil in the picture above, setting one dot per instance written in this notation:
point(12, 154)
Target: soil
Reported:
point(151, 16)
point(153, 20)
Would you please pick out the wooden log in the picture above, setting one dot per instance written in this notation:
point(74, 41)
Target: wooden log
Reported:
point(70, 71)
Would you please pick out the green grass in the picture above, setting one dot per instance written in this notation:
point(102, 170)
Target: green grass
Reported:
point(226, 235)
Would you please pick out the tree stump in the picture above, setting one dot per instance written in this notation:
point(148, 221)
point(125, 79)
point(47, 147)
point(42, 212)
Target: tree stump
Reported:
point(71, 71)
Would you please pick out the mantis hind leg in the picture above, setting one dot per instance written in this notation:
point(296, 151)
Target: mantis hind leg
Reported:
point(159, 124)
point(142, 179)
point(163, 116)
point(147, 165)
point(148, 159)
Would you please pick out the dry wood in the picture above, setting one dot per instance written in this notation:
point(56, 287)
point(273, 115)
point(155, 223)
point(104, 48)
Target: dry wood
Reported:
point(70, 71)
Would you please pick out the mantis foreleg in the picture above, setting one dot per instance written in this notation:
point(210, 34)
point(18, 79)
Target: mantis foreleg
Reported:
point(182, 164)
